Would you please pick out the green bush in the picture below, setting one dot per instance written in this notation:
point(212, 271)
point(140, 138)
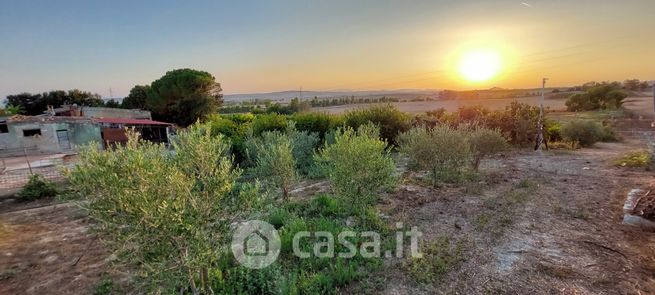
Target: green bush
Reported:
point(485, 142)
point(274, 161)
point(641, 158)
point(304, 145)
point(582, 132)
point(603, 96)
point(268, 122)
point(168, 216)
point(553, 131)
point(444, 151)
point(388, 118)
point(37, 188)
point(319, 123)
point(358, 164)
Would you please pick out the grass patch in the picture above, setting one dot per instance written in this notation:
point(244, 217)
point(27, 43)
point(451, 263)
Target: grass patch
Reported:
point(104, 287)
point(635, 159)
point(501, 209)
point(439, 258)
point(8, 274)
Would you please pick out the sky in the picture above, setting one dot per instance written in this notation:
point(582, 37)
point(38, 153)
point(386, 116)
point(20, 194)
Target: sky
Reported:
point(262, 46)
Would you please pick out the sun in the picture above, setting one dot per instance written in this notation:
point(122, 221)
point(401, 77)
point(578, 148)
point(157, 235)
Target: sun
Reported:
point(479, 65)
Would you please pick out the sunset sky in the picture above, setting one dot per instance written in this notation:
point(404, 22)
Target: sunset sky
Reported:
point(262, 46)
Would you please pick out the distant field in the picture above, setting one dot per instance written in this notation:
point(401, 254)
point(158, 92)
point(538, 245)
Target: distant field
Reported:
point(644, 104)
point(451, 105)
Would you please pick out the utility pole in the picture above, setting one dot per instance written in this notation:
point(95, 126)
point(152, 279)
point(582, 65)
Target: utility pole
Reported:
point(300, 94)
point(540, 126)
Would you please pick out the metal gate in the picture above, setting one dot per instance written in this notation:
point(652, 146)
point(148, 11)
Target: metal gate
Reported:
point(64, 142)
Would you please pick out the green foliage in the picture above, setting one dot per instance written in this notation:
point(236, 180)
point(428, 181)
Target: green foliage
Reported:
point(601, 96)
point(388, 118)
point(517, 122)
point(582, 132)
point(640, 158)
point(268, 122)
point(166, 215)
point(553, 131)
point(358, 164)
point(485, 142)
point(137, 98)
point(438, 259)
point(274, 161)
point(320, 123)
point(242, 280)
point(37, 188)
point(184, 96)
point(303, 145)
point(444, 151)
point(104, 287)
point(36, 104)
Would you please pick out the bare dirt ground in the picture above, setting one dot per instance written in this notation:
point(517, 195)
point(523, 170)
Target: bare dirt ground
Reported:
point(47, 250)
point(540, 224)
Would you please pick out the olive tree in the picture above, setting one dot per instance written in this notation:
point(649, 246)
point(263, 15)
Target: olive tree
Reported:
point(358, 164)
point(444, 151)
point(165, 214)
point(274, 161)
point(485, 142)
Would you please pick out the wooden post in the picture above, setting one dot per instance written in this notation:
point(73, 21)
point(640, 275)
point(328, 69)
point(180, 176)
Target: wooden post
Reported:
point(28, 161)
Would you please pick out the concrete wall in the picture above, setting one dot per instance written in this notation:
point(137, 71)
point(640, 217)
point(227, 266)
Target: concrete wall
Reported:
point(79, 133)
point(98, 112)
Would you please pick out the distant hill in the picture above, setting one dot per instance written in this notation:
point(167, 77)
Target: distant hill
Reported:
point(288, 95)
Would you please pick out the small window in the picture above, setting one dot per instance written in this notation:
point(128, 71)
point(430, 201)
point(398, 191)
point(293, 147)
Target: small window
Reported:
point(31, 132)
point(3, 127)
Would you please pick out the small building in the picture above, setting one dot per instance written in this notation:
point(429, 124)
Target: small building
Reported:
point(65, 134)
point(47, 134)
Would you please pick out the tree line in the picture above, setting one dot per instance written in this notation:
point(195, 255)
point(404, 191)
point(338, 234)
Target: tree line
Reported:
point(181, 96)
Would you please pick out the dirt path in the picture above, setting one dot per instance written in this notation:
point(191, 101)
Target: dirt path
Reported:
point(48, 250)
point(540, 224)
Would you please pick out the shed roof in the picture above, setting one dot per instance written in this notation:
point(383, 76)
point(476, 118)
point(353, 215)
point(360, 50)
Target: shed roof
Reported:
point(127, 121)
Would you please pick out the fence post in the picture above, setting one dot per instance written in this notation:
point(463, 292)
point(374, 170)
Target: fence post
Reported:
point(28, 161)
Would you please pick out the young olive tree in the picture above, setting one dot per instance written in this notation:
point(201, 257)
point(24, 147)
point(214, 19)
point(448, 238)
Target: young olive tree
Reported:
point(485, 142)
point(166, 214)
point(358, 164)
point(274, 161)
point(444, 151)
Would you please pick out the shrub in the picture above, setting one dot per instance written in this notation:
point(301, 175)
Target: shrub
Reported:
point(443, 151)
point(319, 123)
point(268, 122)
point(358, 164)
point(485, 142)
point(603, 96)
point(388, 118)
point(303, 147)
point(553, 131)
point(274, 161)
point(641, 158)
point(582, 132)
point(37, 188)
point(166, 215)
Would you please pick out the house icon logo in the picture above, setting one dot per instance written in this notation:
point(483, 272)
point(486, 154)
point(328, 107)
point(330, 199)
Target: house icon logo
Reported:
point(255, 244)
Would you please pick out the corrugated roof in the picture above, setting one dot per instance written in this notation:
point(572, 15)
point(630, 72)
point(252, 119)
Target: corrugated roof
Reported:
point(126, 121)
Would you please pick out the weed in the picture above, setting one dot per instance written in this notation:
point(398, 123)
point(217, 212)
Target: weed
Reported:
point(635, 159)
point(104, 287)
point(439, 258)
point(36, 188)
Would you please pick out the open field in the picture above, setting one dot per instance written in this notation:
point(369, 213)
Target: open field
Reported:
point(641, 103)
